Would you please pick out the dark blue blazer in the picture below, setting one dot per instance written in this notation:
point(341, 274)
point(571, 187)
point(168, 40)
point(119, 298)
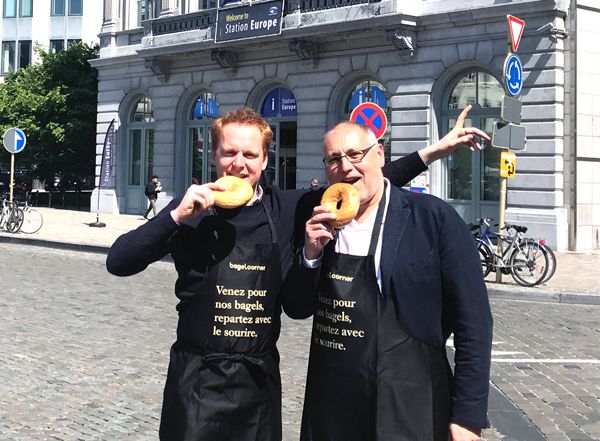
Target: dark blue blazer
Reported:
point(431, 272)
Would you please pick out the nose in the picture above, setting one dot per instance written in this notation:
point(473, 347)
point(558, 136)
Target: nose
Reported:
point(238, 160)
point(345, 165)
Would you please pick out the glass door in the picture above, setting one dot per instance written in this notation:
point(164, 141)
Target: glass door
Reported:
point(140, 160)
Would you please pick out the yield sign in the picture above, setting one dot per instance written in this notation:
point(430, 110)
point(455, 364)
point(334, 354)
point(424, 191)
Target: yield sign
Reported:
point(370, 115)
point(515, 27)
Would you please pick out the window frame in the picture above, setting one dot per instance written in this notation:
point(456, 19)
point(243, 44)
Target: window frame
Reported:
point(73, 14)
point(15, 8)
point(53, 12)
point(3, 69)
point(62, 44)
point(21, 3)
point(20, 53)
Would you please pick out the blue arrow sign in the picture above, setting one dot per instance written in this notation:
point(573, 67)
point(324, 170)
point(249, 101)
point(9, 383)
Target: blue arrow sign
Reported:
point(513, 74)
point(14, 140)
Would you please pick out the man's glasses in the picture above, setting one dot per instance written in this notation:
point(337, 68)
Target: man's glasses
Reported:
point(354, 157)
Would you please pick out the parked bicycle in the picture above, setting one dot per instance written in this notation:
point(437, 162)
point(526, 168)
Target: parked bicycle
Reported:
point(527, 260)
point(19, 216)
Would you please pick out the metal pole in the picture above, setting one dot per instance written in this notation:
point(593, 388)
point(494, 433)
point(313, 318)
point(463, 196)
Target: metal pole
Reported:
point(12, 176)
point(501, 211)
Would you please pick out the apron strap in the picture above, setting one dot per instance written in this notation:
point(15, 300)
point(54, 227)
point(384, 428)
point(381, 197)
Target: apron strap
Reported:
point(378, 219)
point(271, 224)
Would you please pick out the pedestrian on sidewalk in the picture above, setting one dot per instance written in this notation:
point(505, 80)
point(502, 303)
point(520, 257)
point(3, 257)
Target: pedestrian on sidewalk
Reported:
point(152, 190)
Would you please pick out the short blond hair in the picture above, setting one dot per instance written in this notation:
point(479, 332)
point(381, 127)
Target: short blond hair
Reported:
point(244, 116)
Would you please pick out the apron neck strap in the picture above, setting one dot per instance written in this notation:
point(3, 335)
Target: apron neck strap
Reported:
point(271, 224)
point(378, 219)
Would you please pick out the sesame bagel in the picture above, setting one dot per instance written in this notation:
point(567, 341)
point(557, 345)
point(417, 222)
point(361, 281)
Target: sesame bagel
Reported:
point(350, 202)
point(237, 192)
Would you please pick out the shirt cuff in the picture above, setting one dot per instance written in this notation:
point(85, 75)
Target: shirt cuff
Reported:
point(311, 263)
point(422, 160)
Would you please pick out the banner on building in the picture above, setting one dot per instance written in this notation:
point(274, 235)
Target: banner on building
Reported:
point(107, 178)
point(249, 21)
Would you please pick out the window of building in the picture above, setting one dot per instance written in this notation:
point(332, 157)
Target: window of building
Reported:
point(75, 7)
point(26, 8)
point(72, 41)
point(8, 57)
point(56, 46)
point(373, 92)
point(203, 110)
point(10, 8)
point(24, 53)
point(207, 4)
point(145, 10)
point(279, 108)
point(472, 183)
point(140, 152)
point(58, 7)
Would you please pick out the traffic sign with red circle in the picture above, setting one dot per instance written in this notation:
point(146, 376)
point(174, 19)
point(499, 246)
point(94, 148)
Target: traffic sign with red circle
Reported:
point(372, 116)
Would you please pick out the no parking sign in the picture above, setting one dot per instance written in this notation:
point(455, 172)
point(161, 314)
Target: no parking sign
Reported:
point(372, 116)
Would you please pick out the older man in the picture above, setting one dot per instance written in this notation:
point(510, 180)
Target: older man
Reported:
point(389, 289)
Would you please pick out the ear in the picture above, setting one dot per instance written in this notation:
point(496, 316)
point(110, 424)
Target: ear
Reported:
point(380, 154)
point(265, 162)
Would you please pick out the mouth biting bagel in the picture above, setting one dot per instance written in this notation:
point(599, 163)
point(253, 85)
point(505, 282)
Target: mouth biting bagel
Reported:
point(348, 208)
point(237, 192)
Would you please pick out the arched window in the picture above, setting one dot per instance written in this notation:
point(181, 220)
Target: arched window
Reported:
point(279, 108)
point(374, 92)
point(203, 110)
point(473, 178)
point(140, 153)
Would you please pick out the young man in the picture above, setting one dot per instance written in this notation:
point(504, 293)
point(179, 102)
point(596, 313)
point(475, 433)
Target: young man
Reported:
point(223, 381)
point(152, 190)
point(387, 290)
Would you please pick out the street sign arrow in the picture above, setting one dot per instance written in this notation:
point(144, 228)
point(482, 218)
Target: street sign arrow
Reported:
point(515, 27)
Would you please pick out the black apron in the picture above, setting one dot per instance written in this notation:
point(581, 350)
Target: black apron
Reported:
point(223, 381)
point(368, 379)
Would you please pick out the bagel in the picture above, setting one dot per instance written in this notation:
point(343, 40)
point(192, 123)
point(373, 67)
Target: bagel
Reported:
point(350, 203)
point(237, 192)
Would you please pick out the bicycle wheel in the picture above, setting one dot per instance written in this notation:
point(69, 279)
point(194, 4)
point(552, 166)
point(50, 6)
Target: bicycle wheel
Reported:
point(14, 221)
point(551, 263)
point(32, 222)
point(485, 256)
point(529, 263)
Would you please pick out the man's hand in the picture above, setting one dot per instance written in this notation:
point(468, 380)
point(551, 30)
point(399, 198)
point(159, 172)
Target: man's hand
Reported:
point(462, 433)
point(318, 232)
point(198, 199)
point(459, 135)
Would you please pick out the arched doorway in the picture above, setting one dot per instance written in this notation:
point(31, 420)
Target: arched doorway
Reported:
point(373, 92)
point(201, 114)
point(140, 154)
point(472, 179)
point(279, 108)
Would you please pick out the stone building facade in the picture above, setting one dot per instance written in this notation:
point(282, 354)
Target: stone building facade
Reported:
point(163, 78)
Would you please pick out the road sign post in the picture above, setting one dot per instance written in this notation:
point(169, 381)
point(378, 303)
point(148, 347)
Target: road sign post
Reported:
point(14, 141)
point(508, 133)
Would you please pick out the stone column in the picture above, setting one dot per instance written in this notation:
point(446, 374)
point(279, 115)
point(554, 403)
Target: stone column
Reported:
point(110, 16)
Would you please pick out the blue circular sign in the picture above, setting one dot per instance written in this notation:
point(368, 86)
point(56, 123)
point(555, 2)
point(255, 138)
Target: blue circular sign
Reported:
point(14, 140)
point(513, 75)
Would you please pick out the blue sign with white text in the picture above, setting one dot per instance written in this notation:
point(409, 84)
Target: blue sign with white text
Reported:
point(513, 74)
point(361, 96)
point(279, 102)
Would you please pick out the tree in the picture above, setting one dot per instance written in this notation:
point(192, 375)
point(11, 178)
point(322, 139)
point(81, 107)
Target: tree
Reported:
point(54, 103)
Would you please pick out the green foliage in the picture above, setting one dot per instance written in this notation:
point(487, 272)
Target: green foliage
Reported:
point(54, 103)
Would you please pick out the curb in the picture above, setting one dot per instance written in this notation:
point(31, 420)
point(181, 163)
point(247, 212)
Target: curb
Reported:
point(546, 296)
point(56, 245)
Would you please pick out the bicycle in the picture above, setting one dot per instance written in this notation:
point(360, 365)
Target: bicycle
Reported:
point(32, 219)
point(11, 216)
point(525, 259)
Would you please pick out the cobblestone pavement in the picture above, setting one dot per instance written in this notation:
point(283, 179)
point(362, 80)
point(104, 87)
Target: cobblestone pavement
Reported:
point(85, 354)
